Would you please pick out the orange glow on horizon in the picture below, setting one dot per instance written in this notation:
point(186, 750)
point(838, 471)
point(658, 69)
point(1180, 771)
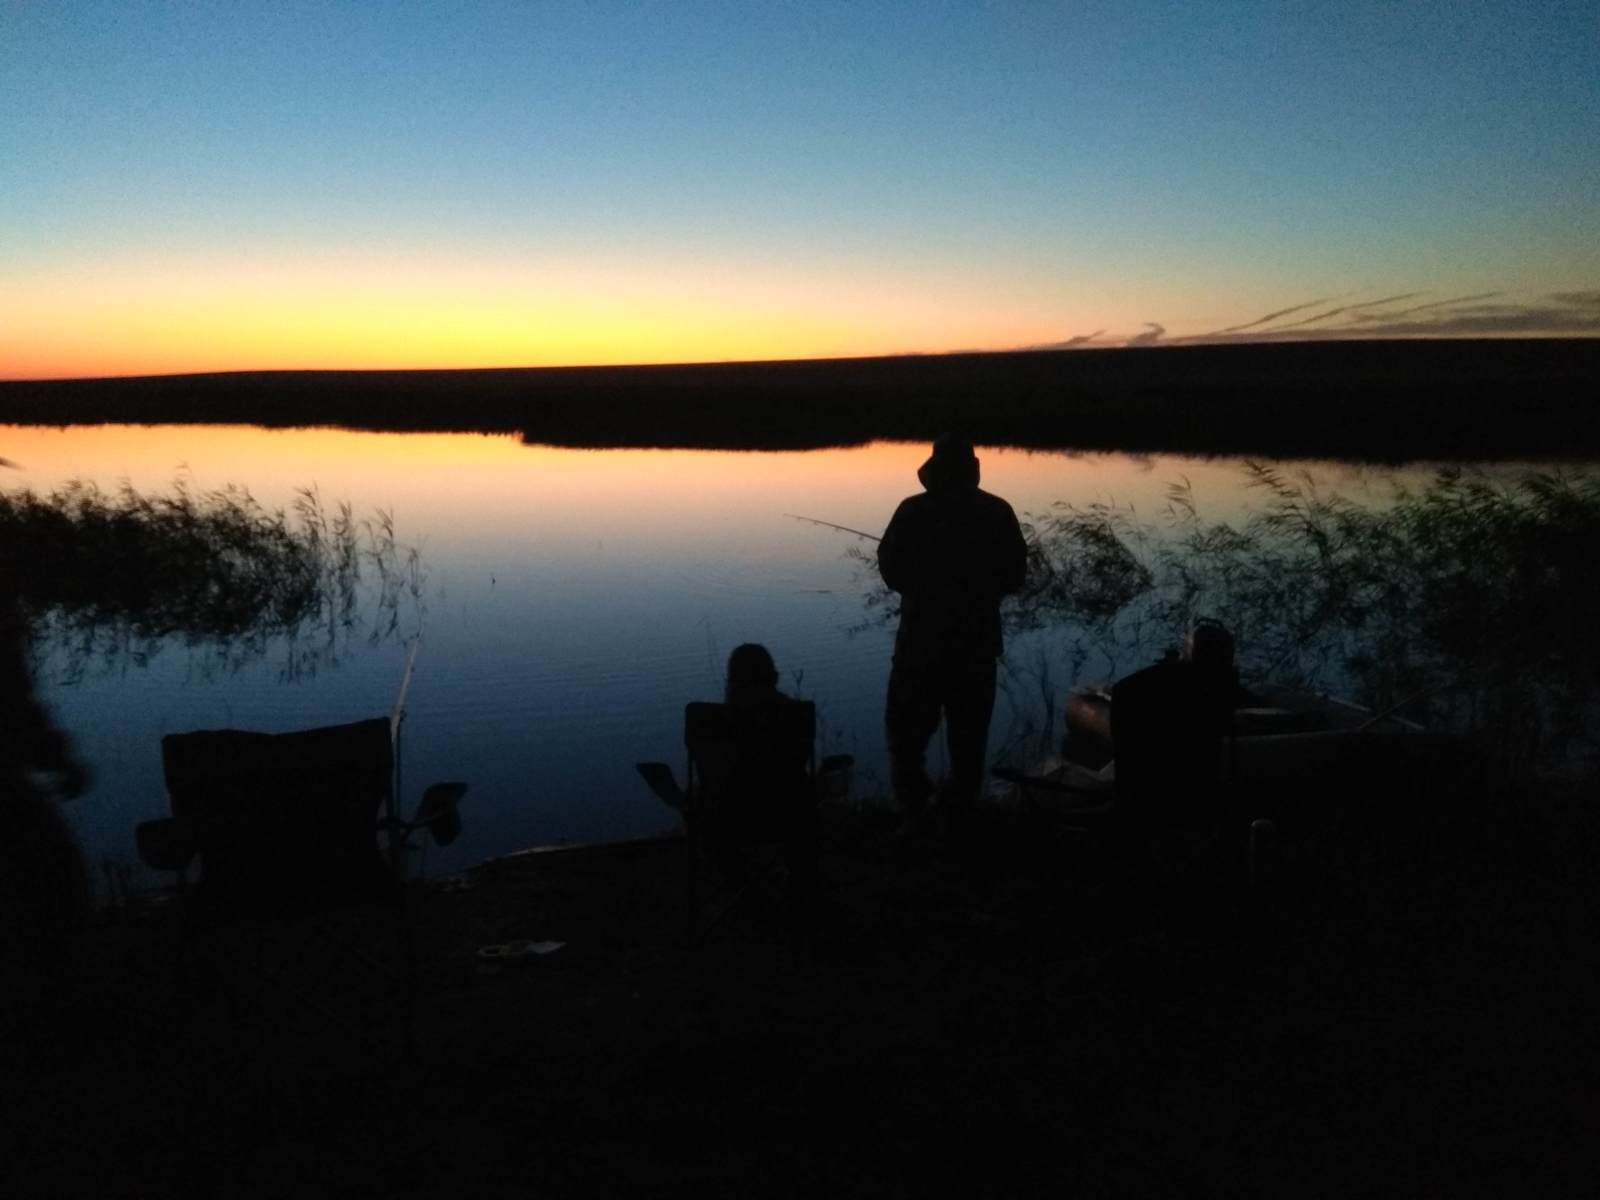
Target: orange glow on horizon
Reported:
point(369, 313)
point(388, 337)
point(468, 307)
point(465, 307)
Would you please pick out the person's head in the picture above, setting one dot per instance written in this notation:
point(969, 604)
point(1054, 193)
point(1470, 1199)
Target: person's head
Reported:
point(1210, 646)
point(952, 464)
point(751, 673)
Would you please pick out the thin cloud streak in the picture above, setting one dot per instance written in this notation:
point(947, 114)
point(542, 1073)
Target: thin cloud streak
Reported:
point(1072, 343)
point(1562, 313)
point(1271, 316)
point(1478, 314)
point(1431, 305)
point(1344, 308)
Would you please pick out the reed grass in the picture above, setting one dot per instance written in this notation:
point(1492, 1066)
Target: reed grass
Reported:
point(110, 579)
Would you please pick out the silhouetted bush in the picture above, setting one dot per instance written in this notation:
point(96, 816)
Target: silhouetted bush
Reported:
point(1468, 603)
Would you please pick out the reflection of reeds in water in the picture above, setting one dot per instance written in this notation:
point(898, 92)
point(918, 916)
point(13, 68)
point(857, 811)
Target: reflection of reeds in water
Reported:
point(1468, 603)
point(113, 577)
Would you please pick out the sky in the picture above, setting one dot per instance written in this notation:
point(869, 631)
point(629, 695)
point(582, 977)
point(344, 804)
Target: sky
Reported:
point(201, 187)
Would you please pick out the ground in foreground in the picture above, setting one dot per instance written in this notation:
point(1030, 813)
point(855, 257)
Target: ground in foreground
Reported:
point(1407, 1010)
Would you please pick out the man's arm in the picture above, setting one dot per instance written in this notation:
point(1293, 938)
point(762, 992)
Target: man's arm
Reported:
point(1013, 556)
point(891, 551)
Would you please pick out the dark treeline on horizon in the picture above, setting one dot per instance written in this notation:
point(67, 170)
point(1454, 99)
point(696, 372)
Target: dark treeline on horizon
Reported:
point(1373, 400)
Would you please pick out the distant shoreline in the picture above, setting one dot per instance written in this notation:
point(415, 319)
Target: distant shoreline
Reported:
point(1382, 401)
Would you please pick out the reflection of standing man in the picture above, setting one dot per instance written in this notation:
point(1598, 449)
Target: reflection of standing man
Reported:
point(952, 553)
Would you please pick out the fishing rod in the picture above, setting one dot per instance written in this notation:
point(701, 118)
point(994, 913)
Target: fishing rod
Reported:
point(871, 537)
point(398, 713)
point(397, 717)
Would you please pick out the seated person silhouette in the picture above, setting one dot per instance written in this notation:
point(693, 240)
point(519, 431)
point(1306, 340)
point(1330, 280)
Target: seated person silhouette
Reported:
point(753, 756)
point(1168, 722)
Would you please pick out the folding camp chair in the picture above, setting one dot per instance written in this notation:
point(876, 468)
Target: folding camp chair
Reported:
point(298, 848)
point(751, 790)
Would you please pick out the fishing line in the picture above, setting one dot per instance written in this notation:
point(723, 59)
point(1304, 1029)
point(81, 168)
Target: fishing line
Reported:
point(830, 525)
point(397, 717)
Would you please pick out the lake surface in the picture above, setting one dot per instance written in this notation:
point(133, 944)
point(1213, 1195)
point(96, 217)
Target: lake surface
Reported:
point(574, 601)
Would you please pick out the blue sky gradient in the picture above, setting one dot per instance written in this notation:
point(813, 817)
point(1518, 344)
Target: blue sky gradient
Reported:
point(1019, 174)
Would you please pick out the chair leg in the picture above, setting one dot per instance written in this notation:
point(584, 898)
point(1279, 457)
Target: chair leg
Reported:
point(408, 982)
point(691, 841)
point(1262, 832)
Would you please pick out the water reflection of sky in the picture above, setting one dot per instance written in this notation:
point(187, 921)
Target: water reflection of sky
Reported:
point(575, 601)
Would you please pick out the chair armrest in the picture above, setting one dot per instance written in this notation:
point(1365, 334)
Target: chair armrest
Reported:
point(659, 776)
point(438, 812)
point(167, 844)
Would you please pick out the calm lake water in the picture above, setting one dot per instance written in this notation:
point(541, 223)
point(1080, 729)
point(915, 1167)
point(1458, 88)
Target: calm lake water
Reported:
point(573, 602)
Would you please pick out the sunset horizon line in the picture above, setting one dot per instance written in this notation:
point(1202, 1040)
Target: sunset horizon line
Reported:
point(1072, 346)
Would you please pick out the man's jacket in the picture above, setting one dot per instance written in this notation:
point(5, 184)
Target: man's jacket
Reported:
point(951, 552)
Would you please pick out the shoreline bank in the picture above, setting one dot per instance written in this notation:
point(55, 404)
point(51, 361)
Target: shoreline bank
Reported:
point(1364, 401)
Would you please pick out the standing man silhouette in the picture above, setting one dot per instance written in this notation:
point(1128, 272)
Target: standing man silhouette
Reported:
point(951, 552)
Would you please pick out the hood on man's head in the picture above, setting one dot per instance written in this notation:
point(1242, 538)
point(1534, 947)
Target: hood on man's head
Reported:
point(952, 464)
